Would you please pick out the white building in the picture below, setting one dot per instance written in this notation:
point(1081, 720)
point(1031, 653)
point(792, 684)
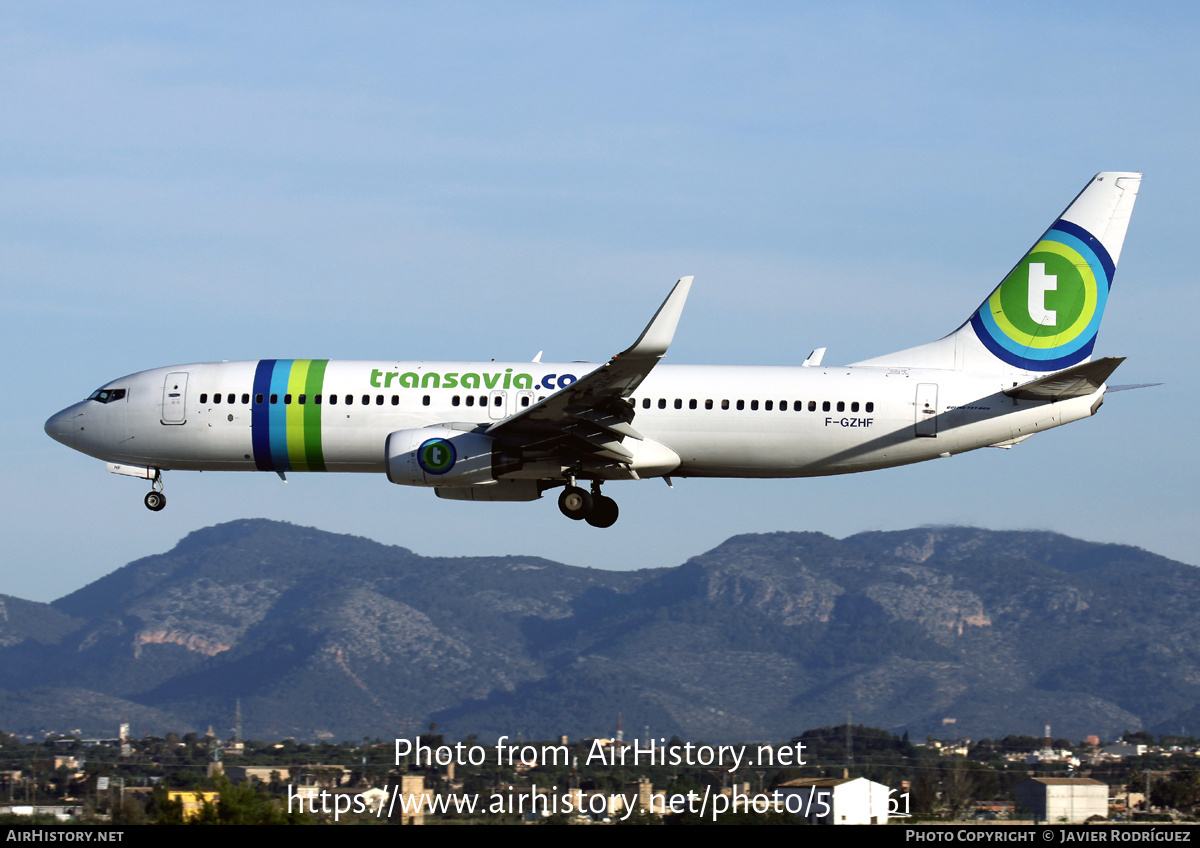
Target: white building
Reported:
point(835, 800)
point(1062, 799)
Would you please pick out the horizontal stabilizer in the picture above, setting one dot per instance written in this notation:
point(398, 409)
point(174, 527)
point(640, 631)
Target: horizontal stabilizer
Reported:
point(1077, 381)
point(1127, 386)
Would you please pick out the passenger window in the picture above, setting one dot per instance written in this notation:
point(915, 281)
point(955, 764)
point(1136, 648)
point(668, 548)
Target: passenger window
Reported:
point(204, 397)
point(349, 400)
point(366, 399)
point(455, 401)
point(662, 403)
point(799, 405)
point(232, 398)
point(854, 406)
point(274, 398)
point(497, 400)
point(396, 400)
point(217, 397)
point(246, 398)
point(287, 398)
point(333, 399)
point(483, 400)
point(525, 400)
point(825, 406)
point(768, 405)
point(301, 398)
point(741, 404)
point(724, 404)
point(708, 404)
point(258, 398)
point(812, 406)
point(645, 403)
point(470, 400)
point(379, 400)
point(841, 406)
point(692, 403)
point(679, 403)
point(754, 404)
point(870, 406)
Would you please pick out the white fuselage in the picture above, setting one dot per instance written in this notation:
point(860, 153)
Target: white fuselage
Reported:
point(721, 421)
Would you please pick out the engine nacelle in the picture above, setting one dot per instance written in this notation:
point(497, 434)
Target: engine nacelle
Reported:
point(442, 456)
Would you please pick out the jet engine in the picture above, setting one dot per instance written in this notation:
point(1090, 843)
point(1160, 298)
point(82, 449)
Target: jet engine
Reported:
point(443, 456)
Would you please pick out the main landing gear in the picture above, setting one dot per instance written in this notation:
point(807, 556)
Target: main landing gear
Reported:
point(594, 508)
point(155, 499)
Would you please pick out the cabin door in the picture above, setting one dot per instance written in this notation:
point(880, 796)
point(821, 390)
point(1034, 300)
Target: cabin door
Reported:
point(174, 396)
point(926, 410)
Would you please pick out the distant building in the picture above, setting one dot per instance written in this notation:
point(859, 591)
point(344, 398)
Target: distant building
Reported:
point(835, 800)
point(1123, 749)
point(241, 774)
point(1062, 799)
point(193, 800)
point(413, 799)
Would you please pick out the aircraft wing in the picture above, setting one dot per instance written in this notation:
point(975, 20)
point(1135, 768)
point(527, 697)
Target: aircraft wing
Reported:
point(1076, 381)
point(592, 415)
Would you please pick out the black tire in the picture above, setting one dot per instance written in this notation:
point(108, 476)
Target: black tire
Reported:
point(155, 501)
point(604, 512)
point(575, 503)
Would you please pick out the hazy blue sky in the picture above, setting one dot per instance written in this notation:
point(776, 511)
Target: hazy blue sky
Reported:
point(199, 182)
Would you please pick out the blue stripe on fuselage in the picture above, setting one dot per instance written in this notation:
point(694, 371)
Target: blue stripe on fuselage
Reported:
point(260, 421)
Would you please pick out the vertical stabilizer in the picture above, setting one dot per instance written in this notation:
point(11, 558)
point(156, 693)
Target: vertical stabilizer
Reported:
point(1045, 314)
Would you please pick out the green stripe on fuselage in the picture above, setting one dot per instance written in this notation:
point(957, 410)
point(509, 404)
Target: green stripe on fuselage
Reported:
point(313, 454)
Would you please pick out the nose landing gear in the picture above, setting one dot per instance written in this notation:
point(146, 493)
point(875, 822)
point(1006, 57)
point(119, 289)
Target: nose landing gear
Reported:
point(155, 499)
point(594, 508)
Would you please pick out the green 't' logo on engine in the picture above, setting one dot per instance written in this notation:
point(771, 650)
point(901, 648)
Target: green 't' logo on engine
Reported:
point(436, 456)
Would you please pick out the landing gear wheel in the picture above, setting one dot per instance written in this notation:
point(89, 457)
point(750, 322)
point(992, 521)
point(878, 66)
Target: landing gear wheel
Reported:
point(604, 512)
point(155, 501)
point(575, 503)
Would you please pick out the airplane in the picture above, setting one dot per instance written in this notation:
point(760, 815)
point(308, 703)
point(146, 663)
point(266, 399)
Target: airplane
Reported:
point(510, 431)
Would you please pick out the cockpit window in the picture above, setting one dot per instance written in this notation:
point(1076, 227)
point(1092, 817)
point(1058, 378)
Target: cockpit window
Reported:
point(107, 395)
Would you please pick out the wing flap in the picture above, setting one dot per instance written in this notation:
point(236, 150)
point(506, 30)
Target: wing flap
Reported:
point(606, 420)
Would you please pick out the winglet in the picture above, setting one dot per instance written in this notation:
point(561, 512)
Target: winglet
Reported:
point(656, 338)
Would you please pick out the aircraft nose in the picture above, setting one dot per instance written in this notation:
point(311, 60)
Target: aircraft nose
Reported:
point(62, 426)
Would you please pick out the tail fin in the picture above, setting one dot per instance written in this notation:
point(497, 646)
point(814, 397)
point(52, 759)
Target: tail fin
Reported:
point(1046, 312)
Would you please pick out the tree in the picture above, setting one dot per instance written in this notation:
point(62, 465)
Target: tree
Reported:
point(243, 805)
point(958, 785)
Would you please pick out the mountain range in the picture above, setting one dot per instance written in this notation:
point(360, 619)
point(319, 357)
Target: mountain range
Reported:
point(945, 631)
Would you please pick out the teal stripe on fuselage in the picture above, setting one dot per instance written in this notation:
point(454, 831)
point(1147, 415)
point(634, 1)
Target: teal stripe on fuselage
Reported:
point(278, 414)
